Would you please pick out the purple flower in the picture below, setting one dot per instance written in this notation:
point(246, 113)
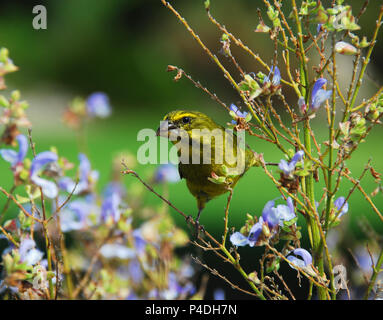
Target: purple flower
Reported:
point(271, 216)
point(135, 271)
point(276, 78)
point(132, 296)
point(49, 188)
point(28, 252)
point(75, 214)
point(319, 95)
point(219, 294)
point(364, 259)
point(304, 261)
point(238, 113)
point(98, 105)
point(13, 157)
point(110, 208)
point(167, 173)
point(255, 231)
point(275, 216)
point(176, 290)
point(87, 177)
point(289, 167)
point(340, 204)
point(139, 242)
point(115, 187)
point(239, 240)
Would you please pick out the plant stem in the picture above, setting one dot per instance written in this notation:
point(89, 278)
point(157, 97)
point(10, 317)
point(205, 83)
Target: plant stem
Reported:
point(377, 269)
point(309, 180)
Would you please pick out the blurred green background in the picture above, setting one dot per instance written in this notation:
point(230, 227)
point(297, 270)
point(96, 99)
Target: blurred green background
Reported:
point(122, 47)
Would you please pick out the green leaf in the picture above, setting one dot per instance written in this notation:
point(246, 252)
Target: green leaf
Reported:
point(273, 266)
point(224, 37)
point(290, 222)
point(302, 173)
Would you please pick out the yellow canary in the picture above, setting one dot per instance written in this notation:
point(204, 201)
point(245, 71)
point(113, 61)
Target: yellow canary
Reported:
point(204, 179)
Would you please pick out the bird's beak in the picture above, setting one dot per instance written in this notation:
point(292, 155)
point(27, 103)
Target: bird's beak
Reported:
point(164, 128)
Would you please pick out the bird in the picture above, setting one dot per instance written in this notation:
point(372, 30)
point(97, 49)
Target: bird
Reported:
point(224, 157)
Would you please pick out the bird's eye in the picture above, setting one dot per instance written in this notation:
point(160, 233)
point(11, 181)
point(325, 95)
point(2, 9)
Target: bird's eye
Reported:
point(186, 119)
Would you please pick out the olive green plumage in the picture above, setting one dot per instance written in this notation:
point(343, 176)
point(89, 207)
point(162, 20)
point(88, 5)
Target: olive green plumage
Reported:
point(197, 174)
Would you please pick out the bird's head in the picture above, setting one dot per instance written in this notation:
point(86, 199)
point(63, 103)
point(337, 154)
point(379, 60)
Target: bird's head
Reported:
point(176, 121)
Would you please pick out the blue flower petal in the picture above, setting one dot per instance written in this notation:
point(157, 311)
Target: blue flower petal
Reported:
point(49, 188)
point(98, 105)
point(219, 294)
point(84, 166)
point(290, 204)
point(167, 173)
point(277, 215)
point(255, 231)
point(238, 239)
point(33, 256)
point(233, 108)
point(320, 98)
point(68, 185)
point(238, 112)
point(41, 160)
point(318, 95)
point(14, 157)
point(110, 208)
point(298, 262)
point(277, 77)
point(298, 156)
point(284, 213)
point(338, 203)
point(139, 242)
point(23, 147)
point(269, 214)
point(286, 167)
point(135, 271)
point(9, 155)
point(305, 255)
point(69, 221)
point(28, 252)
point(317, 85)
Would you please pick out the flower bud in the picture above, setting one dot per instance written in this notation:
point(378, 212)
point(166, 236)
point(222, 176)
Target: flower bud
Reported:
point(254, 277)
point(15, 94)
point(302, 105)
point(342, 47)
point(265, 230)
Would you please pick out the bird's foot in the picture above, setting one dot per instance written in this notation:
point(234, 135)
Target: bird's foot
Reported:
point(199, 228)
point(189, 219)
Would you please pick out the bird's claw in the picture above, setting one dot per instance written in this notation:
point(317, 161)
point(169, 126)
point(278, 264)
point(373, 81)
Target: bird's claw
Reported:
point(189, 218)
point(199, 228)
